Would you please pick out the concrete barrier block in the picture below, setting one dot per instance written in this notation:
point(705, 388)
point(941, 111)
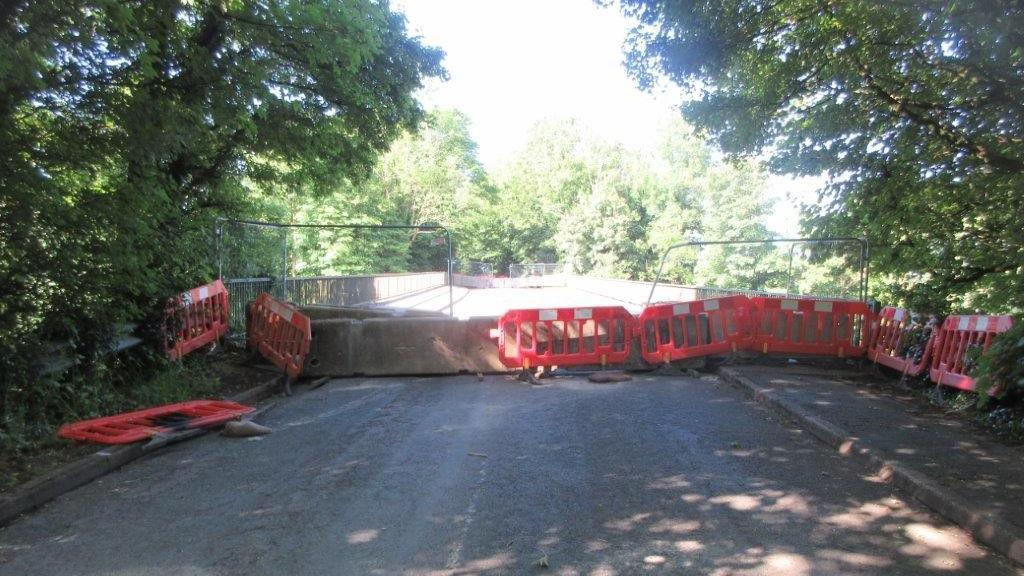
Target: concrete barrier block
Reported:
point(393, 346)
point(481, 349)
point(331, 351)
point(396, 346)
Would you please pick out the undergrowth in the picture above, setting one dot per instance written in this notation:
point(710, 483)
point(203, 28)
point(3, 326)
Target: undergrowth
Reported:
point(34, 407)
point(1004, 417)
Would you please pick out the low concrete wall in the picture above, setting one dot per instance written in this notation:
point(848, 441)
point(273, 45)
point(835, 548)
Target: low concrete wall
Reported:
point(319, 312)
point(411, 345)
point(351, 341)
point(355, 290)
point(328, 290)
point(402, 346)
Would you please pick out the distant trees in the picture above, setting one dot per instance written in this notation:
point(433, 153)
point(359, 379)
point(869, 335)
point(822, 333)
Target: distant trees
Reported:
point(566, 196)
point(915, 109)
point(430, 175)
point(608, 210)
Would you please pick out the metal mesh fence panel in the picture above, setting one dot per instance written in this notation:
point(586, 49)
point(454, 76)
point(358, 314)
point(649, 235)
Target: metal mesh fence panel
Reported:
point(474, 268)
point(831, 268)
point(534, 269)
point(334, 265)
point(251, 258)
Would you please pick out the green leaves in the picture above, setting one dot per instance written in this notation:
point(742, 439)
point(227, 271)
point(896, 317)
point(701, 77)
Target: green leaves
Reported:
point(127, 128)
point(913, 108)
point(1001, 368)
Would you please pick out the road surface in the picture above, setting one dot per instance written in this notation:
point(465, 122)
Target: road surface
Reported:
point(433, 476)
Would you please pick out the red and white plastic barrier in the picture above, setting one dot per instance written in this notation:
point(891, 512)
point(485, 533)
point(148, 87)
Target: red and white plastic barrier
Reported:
point(280, 333)
point(808, 326)
point(139, 425)
point(952, 350)
point(195, 318)
point(891, 338)
point(680, 330)
point(565, 336)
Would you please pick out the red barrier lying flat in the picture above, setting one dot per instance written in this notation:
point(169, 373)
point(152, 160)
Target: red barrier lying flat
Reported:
point(565, 336)
point(280, 333)
point(142, 424)
point(952, 357)
point(807, 326)
point(676, 331)
point(195, 318)
point(894, 341)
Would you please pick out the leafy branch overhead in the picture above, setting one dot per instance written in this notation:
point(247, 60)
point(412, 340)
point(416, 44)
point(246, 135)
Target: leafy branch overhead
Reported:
point(913, 108)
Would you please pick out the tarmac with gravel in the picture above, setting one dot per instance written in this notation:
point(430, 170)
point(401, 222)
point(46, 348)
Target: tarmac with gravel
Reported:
point(661, 474)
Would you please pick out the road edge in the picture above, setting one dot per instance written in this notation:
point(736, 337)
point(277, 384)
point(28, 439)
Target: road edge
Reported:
point(80, 472)
point(995, 533)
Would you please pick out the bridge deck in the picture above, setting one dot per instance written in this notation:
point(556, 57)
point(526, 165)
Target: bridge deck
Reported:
point(495, 301)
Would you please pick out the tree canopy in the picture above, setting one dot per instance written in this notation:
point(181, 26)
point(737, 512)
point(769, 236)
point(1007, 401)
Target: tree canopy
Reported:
point(127, 127)
point(914, 109)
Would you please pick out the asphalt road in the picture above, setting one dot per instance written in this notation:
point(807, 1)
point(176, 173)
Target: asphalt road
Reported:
point(661, 475)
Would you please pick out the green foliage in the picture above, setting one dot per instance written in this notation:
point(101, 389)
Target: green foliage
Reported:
point(914, 109)
point(566, 196)
point(126, 128)
point(35, 408)
point(606, 210)
point(177, 382)
point(428, 176)
point(1001, 367)
point(543, 180)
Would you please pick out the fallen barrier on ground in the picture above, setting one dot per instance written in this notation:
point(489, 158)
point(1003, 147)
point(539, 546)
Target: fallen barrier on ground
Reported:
point(195, 318)
point(140, 425)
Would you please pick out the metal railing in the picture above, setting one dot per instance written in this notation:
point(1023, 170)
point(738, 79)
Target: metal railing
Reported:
point(356, 290)
point(860, 243)
point(254, 257)
point(535, 269)
point(328, 290)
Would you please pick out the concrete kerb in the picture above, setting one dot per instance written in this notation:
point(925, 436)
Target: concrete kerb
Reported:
point(41, 490)
point(999, 535)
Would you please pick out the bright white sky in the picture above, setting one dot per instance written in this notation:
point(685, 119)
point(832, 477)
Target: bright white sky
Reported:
point(512, 64)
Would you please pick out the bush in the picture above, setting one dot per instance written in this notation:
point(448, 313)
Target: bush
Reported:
point(32, 410)
point(1001, 368)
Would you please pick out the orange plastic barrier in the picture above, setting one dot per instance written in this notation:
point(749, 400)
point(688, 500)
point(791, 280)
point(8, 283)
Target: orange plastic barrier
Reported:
point(143, 424)
point(892, 335)
point(195, 318)
point(280, 333)
point(808, 326)
point(675, 331)
point(565, 336)
point(951, 363)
